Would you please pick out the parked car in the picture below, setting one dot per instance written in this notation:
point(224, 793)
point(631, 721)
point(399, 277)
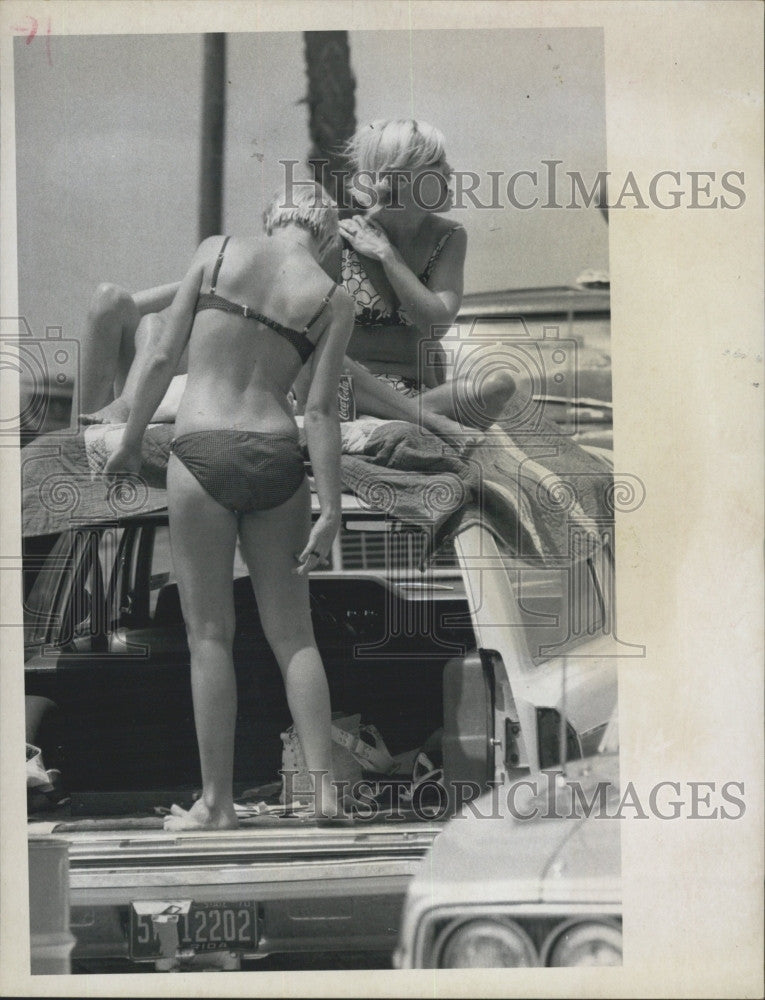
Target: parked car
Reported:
point(524, 880)
point(556, 343)
point(414, 654)
point(499, 667)
point(106, 644)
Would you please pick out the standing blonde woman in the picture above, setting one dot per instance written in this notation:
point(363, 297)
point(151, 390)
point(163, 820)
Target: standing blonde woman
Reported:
point(252, 313)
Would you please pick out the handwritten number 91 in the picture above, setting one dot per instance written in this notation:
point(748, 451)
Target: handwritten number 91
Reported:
point(31, 30)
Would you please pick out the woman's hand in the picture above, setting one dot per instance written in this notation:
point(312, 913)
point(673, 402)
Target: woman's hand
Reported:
point(319, 544)
point(366, 236)
point(124, 461)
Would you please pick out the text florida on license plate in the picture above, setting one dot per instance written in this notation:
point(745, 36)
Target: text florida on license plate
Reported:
point(160, 929)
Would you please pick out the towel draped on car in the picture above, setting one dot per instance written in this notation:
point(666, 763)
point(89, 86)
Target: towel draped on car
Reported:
point(531, 488)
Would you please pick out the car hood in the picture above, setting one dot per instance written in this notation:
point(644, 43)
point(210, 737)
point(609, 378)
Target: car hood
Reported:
point(491, 856)
point(582, 684)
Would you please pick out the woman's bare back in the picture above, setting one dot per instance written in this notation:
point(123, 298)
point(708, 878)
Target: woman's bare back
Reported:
point(240, 366)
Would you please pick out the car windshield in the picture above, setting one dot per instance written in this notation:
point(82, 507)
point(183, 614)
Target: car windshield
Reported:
point(562, 605)
point(559, 605)
point(533, 611)
point(42, 596)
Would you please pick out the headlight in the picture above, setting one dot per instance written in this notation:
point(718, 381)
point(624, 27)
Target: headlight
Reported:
point(589, 942)
point(484, 944)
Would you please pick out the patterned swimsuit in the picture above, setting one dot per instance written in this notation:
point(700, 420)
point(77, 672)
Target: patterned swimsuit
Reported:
point(371, 310)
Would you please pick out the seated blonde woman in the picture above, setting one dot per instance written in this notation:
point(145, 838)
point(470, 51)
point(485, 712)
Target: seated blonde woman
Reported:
point(403, 264)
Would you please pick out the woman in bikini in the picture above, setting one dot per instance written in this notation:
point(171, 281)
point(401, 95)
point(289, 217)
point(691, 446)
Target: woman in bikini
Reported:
point(403, 265)
point(252, 313)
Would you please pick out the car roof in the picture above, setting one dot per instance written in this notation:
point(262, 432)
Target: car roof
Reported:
point(534, 302)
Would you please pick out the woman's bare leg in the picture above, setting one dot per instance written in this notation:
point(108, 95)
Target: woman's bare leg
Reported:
point(471, 403)
point(107, 348)
point(270, 541)
point(203, 539)
point(378, 399)
point(146, 337)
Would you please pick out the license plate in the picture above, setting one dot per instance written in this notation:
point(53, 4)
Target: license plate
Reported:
point(163, 929)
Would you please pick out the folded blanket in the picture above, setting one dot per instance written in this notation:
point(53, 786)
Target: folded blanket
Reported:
point(552, 486)
point(410, 474)
point(61, 484)
point(533, 490)
point(532, 495)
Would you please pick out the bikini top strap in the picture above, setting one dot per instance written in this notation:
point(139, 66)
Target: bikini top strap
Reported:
point(437, 250)
point(322, 307)
point(218, 262)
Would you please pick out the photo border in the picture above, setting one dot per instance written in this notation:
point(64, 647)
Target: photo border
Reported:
point(690, 560)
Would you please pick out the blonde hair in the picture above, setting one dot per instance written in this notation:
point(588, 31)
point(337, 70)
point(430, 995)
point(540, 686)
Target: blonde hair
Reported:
point(395, 144)
point(308, 205)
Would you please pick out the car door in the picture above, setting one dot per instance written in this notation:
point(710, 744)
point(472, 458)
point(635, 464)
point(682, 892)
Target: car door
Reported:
point(107, 681)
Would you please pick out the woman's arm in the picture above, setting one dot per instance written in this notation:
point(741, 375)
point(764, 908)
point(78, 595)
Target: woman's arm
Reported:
point(436, 304)
point(430, 306)
point(159, 366)
point(152, 300)
point(322, 428)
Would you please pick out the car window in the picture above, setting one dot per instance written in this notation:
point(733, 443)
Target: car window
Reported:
point(68, 598)
point(561, 605)
point(86, 598)
point(137, 586)
point(610, 742)
point(127, 591)
point(108, 554)
point(39, 607)
point(82, 598)
point(383, 546)
point(162, 572)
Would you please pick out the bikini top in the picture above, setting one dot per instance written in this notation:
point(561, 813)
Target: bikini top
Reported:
point(369, 307)
point(298, 338)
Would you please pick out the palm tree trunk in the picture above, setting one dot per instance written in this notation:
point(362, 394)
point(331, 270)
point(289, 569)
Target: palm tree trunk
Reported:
point(213, 132)
point(331, 104)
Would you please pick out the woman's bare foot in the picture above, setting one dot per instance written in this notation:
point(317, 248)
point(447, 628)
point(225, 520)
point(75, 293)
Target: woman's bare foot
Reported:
point(115, 412)
point(200, 817)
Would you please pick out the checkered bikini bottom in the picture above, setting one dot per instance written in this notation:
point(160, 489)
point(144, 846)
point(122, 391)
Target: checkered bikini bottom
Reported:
point(243, 471)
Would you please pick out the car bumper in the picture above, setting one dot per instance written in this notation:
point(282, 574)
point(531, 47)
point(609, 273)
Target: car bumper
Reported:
point(313, 889)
